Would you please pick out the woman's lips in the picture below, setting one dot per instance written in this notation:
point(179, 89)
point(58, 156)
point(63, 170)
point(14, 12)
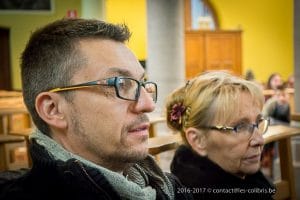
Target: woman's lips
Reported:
point(253, 158)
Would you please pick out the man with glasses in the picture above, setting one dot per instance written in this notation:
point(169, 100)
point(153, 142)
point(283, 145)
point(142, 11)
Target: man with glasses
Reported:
point(88, 98)
point(219, 116)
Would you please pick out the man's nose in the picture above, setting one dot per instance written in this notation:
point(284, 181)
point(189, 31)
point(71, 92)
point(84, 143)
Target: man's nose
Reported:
point(145, 103)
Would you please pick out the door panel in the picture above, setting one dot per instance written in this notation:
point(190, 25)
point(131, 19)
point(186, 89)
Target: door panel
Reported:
point(212, 50)
point(5, 79)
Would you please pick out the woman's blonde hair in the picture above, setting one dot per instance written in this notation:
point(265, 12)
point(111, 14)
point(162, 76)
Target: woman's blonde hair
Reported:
point(210, 97)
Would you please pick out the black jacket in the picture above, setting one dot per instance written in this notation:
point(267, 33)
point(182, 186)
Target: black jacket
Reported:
point(206, 180)
point(52, 179)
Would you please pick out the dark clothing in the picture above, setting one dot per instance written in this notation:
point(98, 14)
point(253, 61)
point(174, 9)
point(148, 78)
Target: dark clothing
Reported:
point(54, 179)
point(206, 180)
point(278, 113)
point(281, 112)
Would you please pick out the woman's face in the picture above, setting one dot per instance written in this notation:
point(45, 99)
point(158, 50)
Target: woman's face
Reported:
point(238, 154)
point(275, 82)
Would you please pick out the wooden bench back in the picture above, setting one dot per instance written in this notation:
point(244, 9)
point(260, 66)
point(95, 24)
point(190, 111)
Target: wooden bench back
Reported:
point(14, 117)
point(13, 114)
point(6, 93)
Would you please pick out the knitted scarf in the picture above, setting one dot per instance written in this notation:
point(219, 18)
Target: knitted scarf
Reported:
point(135, 182)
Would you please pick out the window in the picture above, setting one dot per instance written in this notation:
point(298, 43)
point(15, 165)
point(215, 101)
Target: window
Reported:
point(200, 15)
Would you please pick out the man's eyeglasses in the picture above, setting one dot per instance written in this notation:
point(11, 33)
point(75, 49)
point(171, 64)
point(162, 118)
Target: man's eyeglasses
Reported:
point(126, 88)
point(245, 128)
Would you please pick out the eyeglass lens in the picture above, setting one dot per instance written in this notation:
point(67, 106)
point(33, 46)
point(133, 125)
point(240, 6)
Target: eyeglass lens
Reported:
point(262, 126)
point(127, 88)
point(130, 88)
point(152, 90)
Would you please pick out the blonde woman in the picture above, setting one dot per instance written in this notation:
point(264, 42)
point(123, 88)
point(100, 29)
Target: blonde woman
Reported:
point(219, 117)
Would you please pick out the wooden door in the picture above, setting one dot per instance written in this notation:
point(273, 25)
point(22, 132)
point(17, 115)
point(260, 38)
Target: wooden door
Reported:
point(223, 51)
point(5, 79)
point(212, 50)
point(194, 51)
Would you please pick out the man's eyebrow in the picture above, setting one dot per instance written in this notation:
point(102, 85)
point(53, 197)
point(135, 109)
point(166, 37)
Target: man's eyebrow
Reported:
point(119, 72)
point(114, 71)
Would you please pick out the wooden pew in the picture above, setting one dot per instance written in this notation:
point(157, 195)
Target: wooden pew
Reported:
point(5, 141)
point(13, 117)
point(154, 122)
point(272, 92)
point(13, 114)
point(6, 93)
point(164, 143)
point(295, 117)
point(24, 133)
point(282, 134)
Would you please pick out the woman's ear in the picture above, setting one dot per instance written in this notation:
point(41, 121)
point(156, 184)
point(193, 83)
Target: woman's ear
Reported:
point(197, 140)
point(49, 107)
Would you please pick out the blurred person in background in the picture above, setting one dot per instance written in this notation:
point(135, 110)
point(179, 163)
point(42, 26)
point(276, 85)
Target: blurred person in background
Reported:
point(277, 108)
point(274, 81)
point(290, 81)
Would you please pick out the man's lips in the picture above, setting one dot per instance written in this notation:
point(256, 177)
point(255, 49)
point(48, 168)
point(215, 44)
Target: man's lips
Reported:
point(140, 128)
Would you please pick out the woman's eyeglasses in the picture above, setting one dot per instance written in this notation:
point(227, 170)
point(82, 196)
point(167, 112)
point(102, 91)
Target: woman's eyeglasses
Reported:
point(244, 128)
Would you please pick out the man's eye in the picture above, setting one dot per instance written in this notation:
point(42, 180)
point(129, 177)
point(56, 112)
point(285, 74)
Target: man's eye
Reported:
point(125, 84)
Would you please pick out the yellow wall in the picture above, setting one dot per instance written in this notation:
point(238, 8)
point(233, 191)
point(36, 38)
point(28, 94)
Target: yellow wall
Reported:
point(21, 25)
point(267, 30)
point(267, 33)
point(267, 40)
point(133, 13)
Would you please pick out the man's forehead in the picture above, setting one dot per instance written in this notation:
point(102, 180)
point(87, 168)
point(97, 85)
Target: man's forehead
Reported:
point(106, 58)
point(119, 71)
point(108, 72)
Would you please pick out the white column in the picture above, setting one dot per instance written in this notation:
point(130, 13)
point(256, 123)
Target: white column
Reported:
point(165, 48)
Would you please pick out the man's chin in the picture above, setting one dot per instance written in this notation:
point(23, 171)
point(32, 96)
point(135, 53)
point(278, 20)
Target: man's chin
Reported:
point(142, 153)
point(136, 154)
point(135, 150)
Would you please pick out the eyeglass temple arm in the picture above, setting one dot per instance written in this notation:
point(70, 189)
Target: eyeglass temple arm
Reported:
point(222, 128)
point(78, 86)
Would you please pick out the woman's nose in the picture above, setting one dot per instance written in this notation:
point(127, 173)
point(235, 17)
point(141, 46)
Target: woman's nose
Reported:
point(256, 139)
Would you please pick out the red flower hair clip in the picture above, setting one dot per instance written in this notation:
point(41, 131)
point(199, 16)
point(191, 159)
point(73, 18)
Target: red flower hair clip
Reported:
point(177, 111)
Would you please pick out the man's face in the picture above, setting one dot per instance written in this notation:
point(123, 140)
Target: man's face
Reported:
point(103, 128)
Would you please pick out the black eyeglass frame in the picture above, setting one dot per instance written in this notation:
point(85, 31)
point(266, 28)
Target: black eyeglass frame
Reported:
point(112, 81)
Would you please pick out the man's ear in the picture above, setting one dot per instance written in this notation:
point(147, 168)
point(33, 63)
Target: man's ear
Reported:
point(49, 106)
point(197, 140)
